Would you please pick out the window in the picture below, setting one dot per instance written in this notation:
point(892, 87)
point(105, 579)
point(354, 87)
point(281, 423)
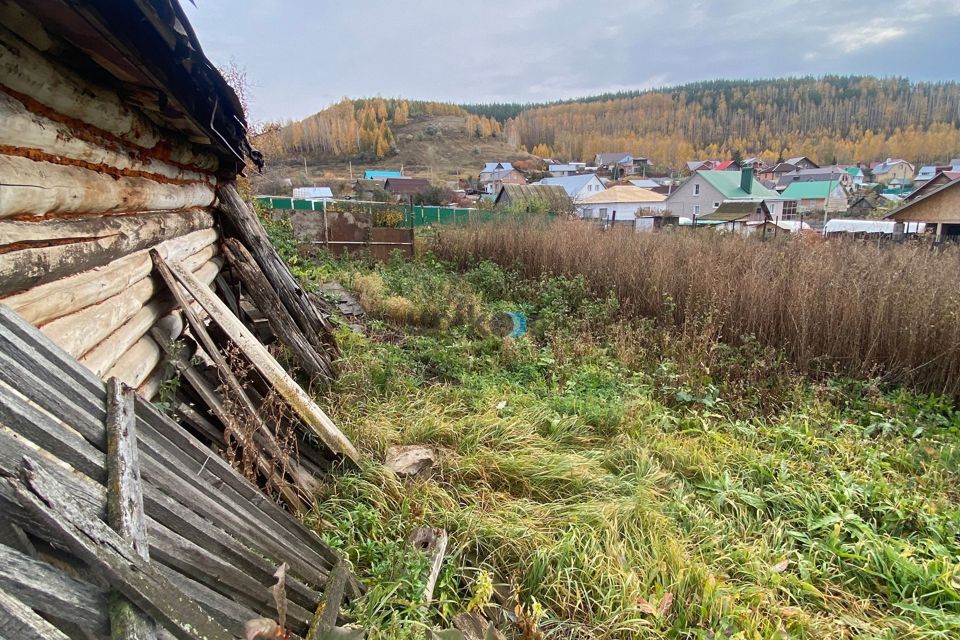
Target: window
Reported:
point(789, 209)
point(696, 210)
point(603, 214)
point(716, 205)
point(696, 189)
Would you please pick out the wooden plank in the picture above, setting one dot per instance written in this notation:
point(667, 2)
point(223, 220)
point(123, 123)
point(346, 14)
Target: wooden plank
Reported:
point(227, 612)
point(108, 555)
point(48, 590)
point(316, 365)
point(125, 503)
point(171, 273)
point(314, 324)
point(56, 248)
point(321, 425)
point(17, 620)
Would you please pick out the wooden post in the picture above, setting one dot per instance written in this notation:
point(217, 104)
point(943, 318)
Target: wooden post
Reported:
point(325, 618)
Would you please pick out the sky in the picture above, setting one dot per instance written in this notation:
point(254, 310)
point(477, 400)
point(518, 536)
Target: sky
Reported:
point(303, 55)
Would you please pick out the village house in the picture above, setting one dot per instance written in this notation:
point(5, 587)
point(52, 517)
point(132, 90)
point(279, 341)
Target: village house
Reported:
point(817, 196)
point(802, 162)
point(561, 170)
point(773, 173)
point(534, 198)
point(826, 174)
point(893, 172)
point(404, 188)
point(620, 164)
point(939, 206)
point(754, 163)
point(497, 174)
point(942, 178)
point(578, 187)
point(705, 191)
point(700, 165)
point(622, 202)
point(735, 215)
point(857, 177)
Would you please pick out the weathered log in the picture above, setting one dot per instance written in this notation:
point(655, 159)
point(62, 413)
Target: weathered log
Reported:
point(63, 92)
point(315, 325)
point(325, 617)
point(49, 590)
point(125, 504)
point(316, 365)
point(37, 136)
point(314, 417)
point(58, 248)
point(17, 620)
point(44, 303)
point(107, 554)
point(80, 332)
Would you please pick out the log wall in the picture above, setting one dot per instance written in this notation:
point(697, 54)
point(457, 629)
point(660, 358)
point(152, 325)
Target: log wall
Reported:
point(89, 184)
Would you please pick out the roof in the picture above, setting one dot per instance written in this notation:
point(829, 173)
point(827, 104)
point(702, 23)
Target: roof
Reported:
point(693, 165)
point(854, 171)
point(624, 194)
point(406, 186)
point(148, 49)
point(809, 190)
point(810, 175)
point(613, 158)
point(889, 164)
point(915, 201)
point(723, 166)
point(645, 183)
point(728, 184)
point(571, 184)
point(561, 167)
point(490, 167)
point(554, 195)
point(797, 160)
point(783, 167)
point(313, 192)
point(371, 174)
point(734, 210)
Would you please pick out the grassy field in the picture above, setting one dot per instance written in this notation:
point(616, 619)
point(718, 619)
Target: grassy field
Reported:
point(617, 479)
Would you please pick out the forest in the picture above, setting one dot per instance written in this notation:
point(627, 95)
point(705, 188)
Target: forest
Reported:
point(830, 119)
point(361, 129)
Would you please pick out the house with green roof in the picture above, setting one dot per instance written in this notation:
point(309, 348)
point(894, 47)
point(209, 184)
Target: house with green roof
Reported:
point(705, 191)
point(817, 196)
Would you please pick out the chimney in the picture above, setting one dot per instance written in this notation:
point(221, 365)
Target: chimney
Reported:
point(746, 180)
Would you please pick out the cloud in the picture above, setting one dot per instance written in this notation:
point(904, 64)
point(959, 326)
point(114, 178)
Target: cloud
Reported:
point(851, 39)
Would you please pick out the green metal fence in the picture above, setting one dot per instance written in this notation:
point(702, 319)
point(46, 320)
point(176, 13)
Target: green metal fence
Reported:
point(415, 216)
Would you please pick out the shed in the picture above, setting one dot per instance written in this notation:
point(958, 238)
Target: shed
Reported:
point(406, 186)
point(313, 193)
point(626, 202)
point(940, 207)
point(529, 197)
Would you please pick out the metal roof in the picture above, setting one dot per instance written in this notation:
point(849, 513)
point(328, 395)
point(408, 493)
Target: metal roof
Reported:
point(810, 190)
point(613, 158)
point(728, 184)
point(371, 174)
point(554, 195)
point(624, 194)
point(490, 167)
point(735, 210)
point(572, 184)
point(313, 193)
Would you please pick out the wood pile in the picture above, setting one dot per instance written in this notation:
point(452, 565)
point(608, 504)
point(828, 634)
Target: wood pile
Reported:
point(198, 561)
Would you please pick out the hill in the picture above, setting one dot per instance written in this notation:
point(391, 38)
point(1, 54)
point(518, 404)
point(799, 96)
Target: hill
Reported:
point(429, 139)
point(835, 118)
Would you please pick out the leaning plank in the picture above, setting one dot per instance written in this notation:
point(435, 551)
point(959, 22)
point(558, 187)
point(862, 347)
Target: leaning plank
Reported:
point(48, 590)
point(315, 326)
point(325, 617)
point(17, 620)
point(107, 554)
point(298, 399)
point(46, 302)
point(125, 503)
point(168, 272)
point(40, 252)
point(316, 365)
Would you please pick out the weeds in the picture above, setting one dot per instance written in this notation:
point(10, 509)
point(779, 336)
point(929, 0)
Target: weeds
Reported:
point(626, 481)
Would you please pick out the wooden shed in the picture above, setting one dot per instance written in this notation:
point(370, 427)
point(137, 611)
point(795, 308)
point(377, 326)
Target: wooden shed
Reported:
point(938, 207)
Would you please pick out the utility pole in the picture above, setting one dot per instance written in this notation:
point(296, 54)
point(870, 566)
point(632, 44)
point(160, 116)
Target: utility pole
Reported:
point(826, 203)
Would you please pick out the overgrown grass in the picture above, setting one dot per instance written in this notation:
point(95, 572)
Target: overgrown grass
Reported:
point(837, 308)
point(633, 482)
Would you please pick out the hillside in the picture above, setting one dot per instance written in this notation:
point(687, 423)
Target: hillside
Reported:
point(846, 119)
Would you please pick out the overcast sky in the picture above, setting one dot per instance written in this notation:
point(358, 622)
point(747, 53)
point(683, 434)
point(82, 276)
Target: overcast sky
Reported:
point(302, 55)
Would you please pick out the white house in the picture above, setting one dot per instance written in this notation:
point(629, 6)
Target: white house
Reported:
point(578, 187)
point(624, 202)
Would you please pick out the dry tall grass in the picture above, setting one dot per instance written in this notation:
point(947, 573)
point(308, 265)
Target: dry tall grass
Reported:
point(833, 307)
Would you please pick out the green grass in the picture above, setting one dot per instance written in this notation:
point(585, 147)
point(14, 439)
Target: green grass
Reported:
point(631, 483)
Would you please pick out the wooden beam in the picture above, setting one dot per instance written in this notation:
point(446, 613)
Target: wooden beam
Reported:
point(315, 364)
point(108, 555)
point(315, 326)
point(17, 620)
point(34, 253)
point(46, 589)
point(125, 503)
point(314, 417)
